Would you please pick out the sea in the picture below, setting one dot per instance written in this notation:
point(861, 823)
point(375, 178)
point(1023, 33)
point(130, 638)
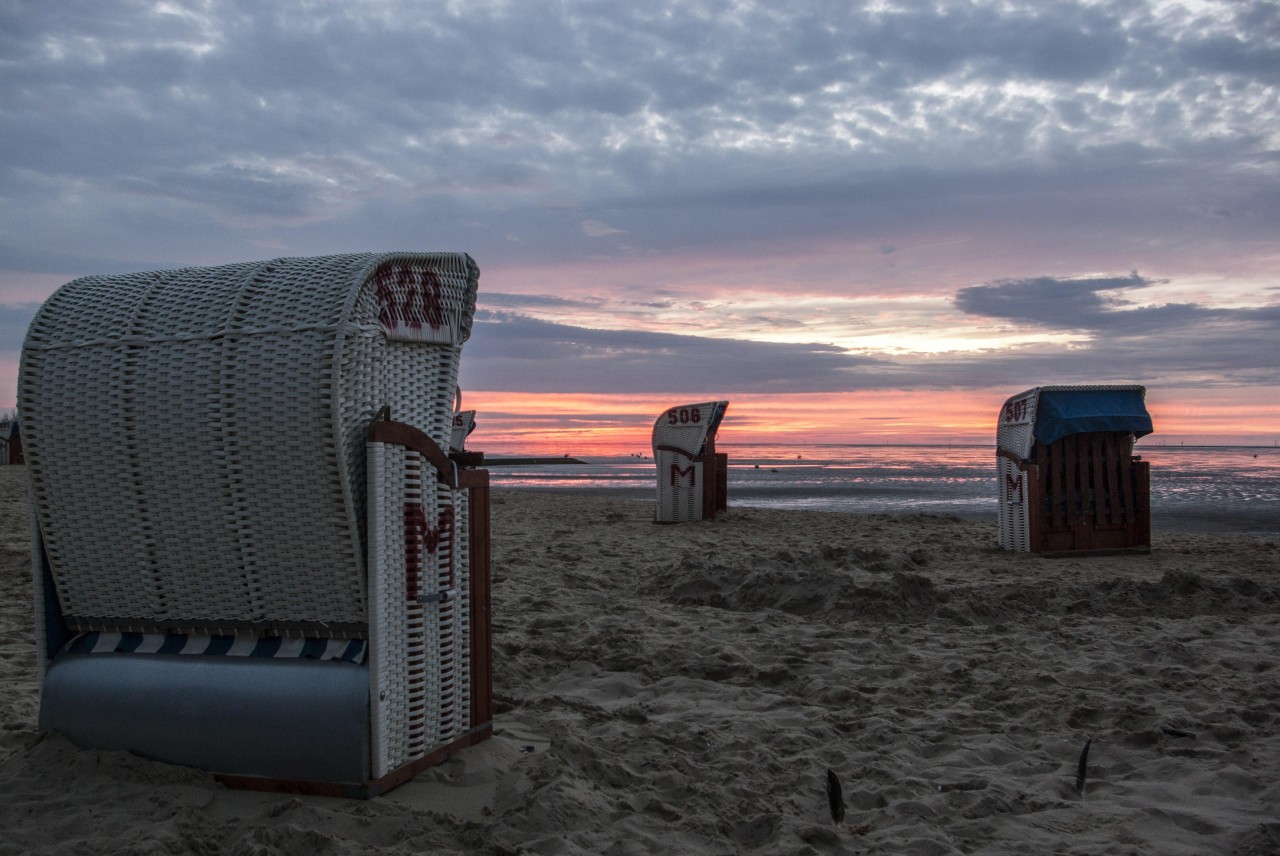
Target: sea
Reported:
point(1193, 488)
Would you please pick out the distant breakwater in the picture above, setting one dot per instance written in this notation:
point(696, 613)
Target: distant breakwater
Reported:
point(529, 462)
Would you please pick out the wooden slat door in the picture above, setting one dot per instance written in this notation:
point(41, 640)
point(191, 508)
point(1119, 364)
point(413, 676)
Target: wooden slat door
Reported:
point(1094, 495)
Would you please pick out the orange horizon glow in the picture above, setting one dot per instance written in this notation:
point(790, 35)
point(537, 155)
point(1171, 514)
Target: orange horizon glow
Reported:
point(600, 425)
point(609, 425)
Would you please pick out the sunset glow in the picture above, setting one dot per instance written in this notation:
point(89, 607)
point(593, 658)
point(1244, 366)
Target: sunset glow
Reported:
point(605, 425)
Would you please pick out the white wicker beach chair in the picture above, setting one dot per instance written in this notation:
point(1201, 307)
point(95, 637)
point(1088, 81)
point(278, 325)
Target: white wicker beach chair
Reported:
point(464, 422)
point(1067, 478)
point(692, 477)
point(263, 575)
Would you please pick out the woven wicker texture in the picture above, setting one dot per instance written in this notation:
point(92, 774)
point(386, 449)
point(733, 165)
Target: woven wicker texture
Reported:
point(1014, 435)
point(195, 437)
point(680, 437)
point(420, 591)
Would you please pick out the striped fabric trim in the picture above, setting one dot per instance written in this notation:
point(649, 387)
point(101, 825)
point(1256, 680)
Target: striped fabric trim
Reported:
point(100, 642)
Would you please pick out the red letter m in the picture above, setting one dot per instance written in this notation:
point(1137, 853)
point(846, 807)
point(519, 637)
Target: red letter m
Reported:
point(1010, 485)
point(679, 472)
point(422, 540)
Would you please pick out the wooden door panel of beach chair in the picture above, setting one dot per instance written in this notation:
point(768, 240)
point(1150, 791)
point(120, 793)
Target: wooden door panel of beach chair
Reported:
point(1068, 480)
point(221, 543)
point(692, 477)
point(1093, 495)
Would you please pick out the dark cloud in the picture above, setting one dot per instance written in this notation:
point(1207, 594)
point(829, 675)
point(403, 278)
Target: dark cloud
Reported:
point(1099, 305)
point(1225, 356)
point(1228, 348)
point(1182, 341)
point(509, 351)
point(1070, 304)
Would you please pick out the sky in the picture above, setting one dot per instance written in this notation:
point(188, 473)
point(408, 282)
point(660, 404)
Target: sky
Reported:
point(859, 222)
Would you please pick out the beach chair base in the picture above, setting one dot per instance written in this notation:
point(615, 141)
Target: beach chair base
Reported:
point(288, 718)
point(1078, 554)
point(359, 790)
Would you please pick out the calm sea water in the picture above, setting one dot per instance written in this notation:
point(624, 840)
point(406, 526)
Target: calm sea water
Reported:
point(1220, 488)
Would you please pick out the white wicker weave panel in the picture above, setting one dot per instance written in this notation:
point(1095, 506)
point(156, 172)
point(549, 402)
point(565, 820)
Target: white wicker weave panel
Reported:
point(1013, 499)
point(360, 398)
point(284, 495)
point(1014, 434)
point(157, 453)
point(298, 292)
point(386, 605)
point(189, 303)
point(420, 643)
point(679, 487)
point(426, 376)
point(462, 720)
point(450, 643)
point(420, 669)
point(97, 308)
point(85, 477)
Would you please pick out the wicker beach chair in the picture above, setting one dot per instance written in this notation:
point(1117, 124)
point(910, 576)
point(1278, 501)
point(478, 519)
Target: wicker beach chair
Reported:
point(692, 476)
point(263, 575)
point(464, 422)
point(1069, 482)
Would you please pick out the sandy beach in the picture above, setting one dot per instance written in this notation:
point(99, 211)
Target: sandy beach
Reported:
point(685, 689)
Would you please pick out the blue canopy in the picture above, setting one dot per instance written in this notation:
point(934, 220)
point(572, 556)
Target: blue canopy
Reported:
point(1076, 411)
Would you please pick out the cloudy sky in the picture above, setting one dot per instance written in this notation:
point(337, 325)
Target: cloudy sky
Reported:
point(857, 221)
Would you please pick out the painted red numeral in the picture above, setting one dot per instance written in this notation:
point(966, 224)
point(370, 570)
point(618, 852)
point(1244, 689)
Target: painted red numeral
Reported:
point(1015, 411)
point(409, 298)
point(684, 416)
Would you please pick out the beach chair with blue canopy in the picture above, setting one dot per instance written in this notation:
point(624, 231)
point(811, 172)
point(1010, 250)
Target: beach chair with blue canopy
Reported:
point(692, 476)
point(1069, 482)
point(273, 571)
